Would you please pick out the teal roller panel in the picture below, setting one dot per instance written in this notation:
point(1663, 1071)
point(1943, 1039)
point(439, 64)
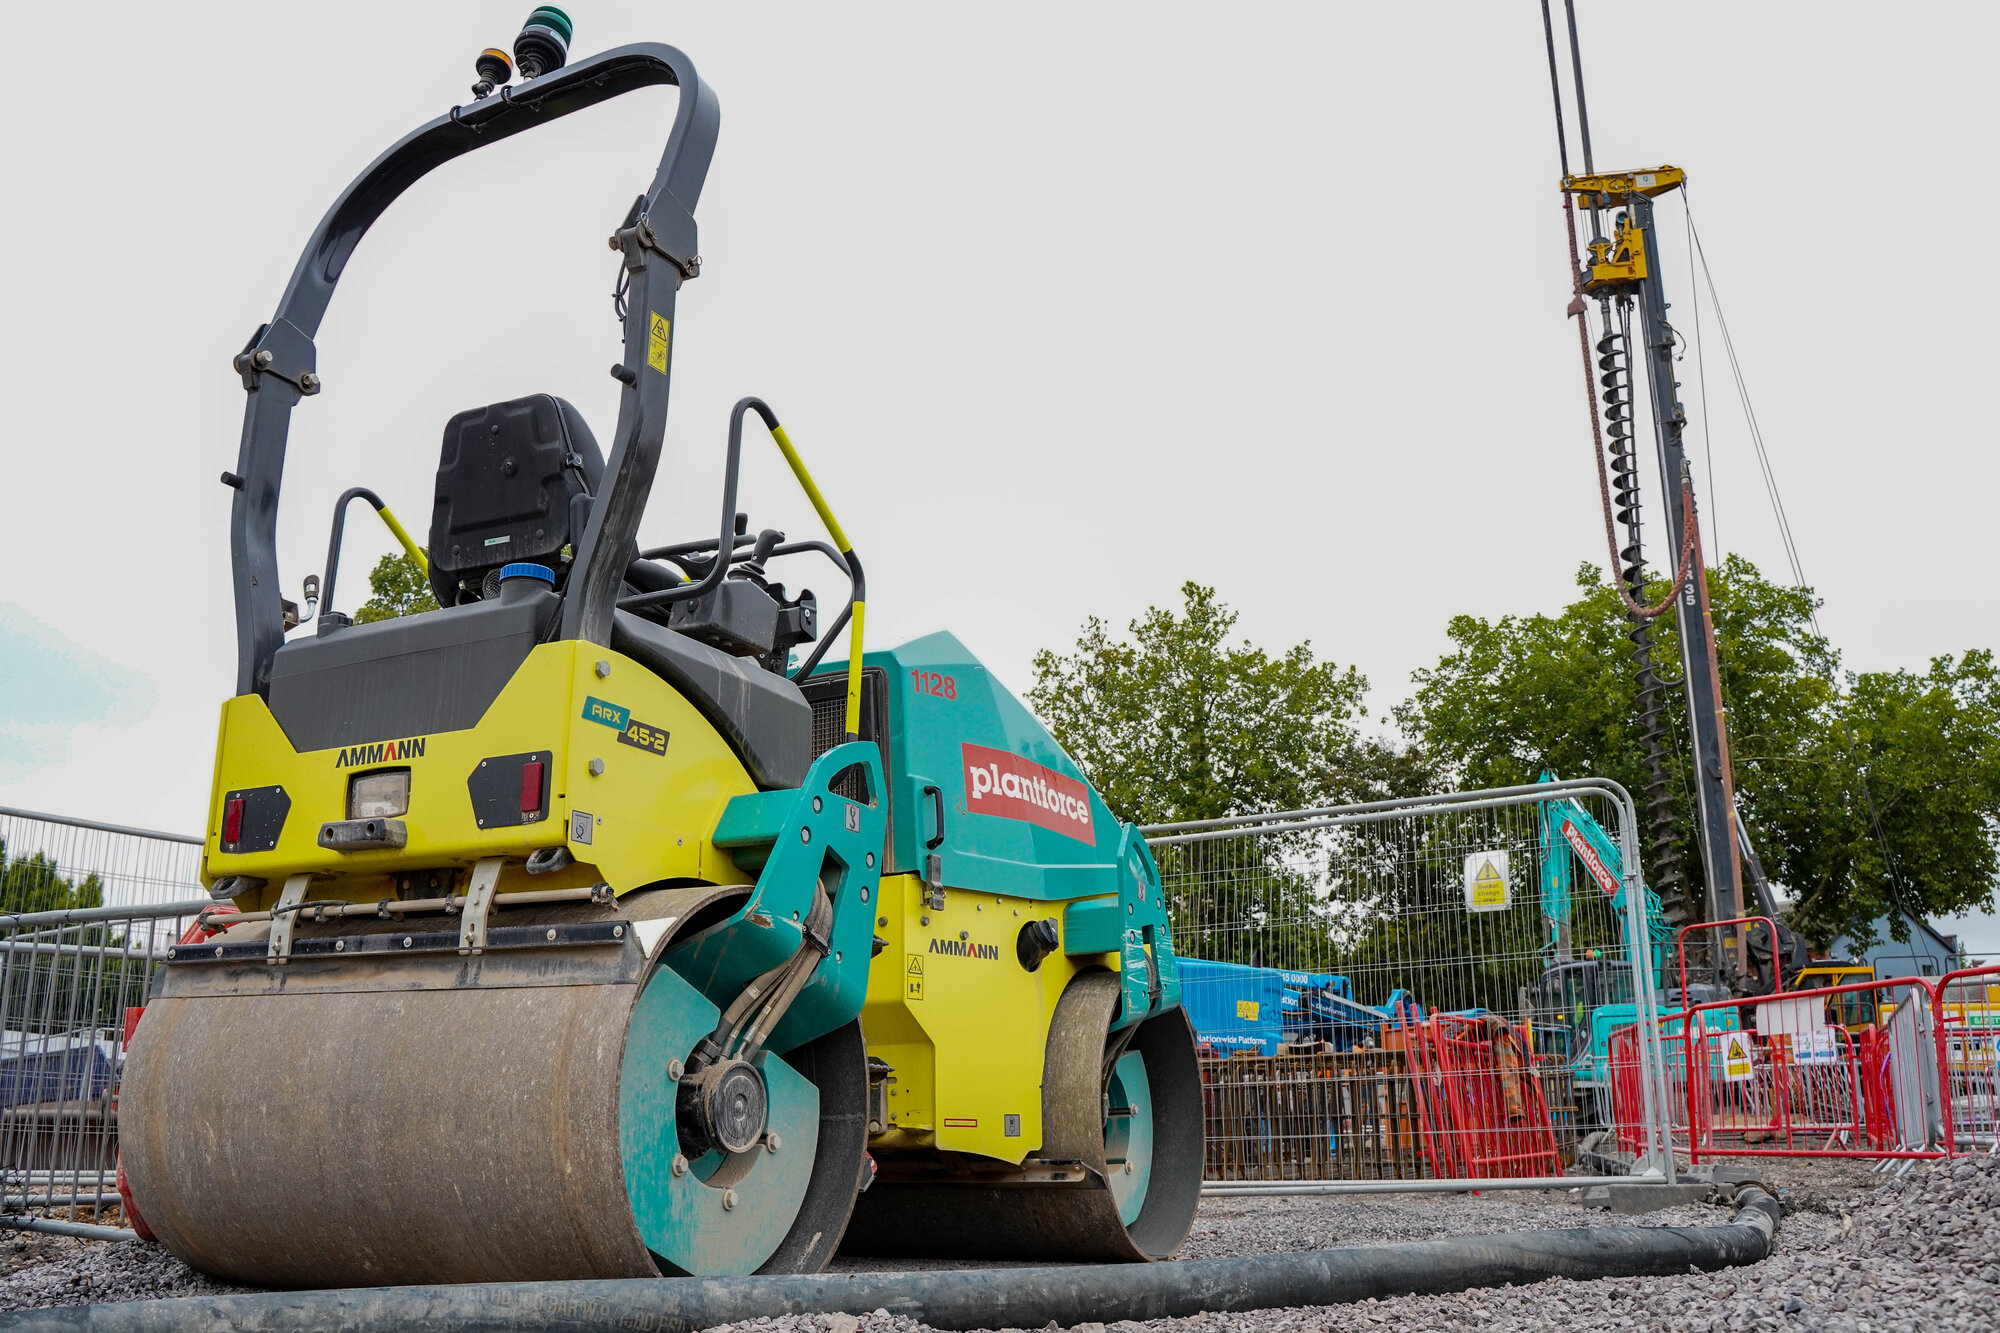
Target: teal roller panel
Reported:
point(795, 839)
point(683, 1219)
point(1019, 817)
point(1129, 1136)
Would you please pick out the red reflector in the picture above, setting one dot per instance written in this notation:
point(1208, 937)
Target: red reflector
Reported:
point(232, 820)
point(531, 787)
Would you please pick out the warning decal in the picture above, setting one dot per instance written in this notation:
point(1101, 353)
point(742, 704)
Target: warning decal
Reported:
point(913, 978)
point(656, 342)
point(1486, 882)
point(1736, 1063)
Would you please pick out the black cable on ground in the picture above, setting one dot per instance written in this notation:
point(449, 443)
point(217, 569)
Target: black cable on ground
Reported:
point(981, 1298)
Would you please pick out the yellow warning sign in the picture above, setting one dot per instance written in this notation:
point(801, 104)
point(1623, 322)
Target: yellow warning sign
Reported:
point(1736, 1063)
point(913, 977)
point(656, 344)
point(1486, 888)
point(1247, 1009)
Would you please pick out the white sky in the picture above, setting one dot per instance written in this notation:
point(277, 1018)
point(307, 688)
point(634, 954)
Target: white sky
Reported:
point(1065, 304)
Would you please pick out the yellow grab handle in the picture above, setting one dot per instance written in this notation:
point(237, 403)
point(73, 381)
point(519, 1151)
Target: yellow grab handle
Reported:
point(840, 541)
point(409, 547)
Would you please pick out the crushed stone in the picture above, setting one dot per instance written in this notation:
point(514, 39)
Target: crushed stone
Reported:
point(1860, 1251)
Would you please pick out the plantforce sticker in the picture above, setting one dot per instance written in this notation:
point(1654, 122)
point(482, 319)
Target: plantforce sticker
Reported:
point(1591, 860)
point(1010, 787)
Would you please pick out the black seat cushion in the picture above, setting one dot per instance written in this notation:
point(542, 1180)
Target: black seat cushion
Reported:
point(506, 477)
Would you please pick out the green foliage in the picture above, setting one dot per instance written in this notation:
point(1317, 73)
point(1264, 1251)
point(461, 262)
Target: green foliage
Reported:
point(1525, 693)
point(397, 588)
point(35, 884)
point(56, 992)
point(1929, 746)
point(1176, 723)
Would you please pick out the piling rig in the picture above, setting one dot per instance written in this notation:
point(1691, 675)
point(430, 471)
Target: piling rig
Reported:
point(1620, 273)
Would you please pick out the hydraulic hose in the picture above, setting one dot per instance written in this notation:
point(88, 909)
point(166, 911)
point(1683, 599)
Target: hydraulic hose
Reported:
point(981, 1298)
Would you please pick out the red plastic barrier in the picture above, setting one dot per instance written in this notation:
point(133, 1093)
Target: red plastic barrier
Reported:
point(1480, 1109)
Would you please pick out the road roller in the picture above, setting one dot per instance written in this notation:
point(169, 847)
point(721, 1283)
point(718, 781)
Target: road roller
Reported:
point(596, 924)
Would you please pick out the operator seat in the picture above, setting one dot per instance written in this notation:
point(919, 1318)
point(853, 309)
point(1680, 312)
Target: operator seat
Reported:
point(514, 481)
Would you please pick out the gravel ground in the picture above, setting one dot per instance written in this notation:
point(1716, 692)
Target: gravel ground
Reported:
point(1859, 1252)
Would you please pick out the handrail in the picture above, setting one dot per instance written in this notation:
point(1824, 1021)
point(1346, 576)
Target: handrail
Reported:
point(410, 548)
point(857, 597)
point(658, 241)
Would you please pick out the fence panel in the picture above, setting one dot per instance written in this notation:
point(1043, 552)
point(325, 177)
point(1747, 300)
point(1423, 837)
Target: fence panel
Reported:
point(1427, 1025)
point(1411, 990)
point(87, 912)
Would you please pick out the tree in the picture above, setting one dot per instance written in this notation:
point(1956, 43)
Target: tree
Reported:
point(1881, 796)
point(1899, 804)
point(81, 976)
point(36, 884)
point(397, 588)
point(1176, 723)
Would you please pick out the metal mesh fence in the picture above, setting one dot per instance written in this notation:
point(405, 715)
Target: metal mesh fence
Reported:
point(1407, 990)
point(87, 912)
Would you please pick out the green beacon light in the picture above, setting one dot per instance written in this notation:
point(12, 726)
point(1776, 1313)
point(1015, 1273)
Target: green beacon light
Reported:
point(543, 46)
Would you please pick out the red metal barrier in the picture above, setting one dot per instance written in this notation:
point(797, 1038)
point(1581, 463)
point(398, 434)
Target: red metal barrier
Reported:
point(1756, 1094)
point(1778, 1097)
point(1480, 1109)
point(1627, 1093)
point(1968, 1055)
point(1878, 1094)
point(1680, 942)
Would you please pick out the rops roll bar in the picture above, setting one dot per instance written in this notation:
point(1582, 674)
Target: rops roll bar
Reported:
point(658, 242)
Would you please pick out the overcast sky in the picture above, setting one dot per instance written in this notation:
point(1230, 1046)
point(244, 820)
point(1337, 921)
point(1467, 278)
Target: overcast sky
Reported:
point(1065, 304)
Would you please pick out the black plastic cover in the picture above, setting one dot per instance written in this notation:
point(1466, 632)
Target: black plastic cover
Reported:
point(762, 715)
point(495, 787)
point(265, 810)
point(736, 616)
point(505, 480)
point(405, 678)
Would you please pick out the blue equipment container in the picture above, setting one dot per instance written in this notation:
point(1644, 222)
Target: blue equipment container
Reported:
point(1235, 1007)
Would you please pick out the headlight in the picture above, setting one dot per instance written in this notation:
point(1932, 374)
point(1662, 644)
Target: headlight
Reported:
point(382, 795)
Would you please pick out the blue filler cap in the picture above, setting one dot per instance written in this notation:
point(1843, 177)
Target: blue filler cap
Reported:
point(527, 570)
